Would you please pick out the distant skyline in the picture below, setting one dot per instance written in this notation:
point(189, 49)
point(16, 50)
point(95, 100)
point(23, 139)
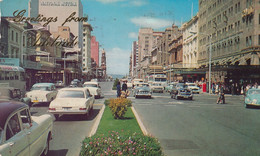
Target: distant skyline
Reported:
point(116, 23)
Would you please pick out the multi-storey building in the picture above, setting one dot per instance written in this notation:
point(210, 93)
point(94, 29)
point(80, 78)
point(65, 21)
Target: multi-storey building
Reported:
point(3, 37)
point(95, 50)
point(104, 64)
point(61, 10)
point(86, 51)
point(229, 40)
point(190, 43)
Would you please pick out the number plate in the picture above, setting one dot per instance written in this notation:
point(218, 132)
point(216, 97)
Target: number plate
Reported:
point(66, 108)
point(35, 101)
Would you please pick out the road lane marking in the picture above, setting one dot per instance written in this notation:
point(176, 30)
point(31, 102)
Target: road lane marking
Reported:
point(177, 102)
point(169, 105)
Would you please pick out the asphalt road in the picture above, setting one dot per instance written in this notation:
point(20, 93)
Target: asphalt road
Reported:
point(70, 130)
point(186, 128)
point(201, 127)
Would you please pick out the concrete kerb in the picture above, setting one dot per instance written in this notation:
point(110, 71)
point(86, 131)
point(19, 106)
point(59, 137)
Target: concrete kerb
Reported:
point(95, 126)
point(145, 132)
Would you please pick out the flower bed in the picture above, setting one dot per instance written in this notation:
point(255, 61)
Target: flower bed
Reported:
point(121, 136)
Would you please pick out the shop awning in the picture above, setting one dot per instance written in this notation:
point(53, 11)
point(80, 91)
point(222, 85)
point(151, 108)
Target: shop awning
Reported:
point(11, 68)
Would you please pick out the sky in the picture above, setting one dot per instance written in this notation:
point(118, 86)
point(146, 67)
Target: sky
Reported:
point(116, 23)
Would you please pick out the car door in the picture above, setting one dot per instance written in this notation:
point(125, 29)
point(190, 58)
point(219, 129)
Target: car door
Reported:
point(35, 133)
point(16, 141)
point(89, 99)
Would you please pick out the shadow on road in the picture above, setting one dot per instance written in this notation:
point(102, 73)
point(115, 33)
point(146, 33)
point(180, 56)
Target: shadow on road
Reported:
point(90, 117)
point(61, 152)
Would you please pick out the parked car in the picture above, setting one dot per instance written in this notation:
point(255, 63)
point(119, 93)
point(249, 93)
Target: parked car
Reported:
point(142, 90)
point(157, 87)
point(72, 101)
point(193, 87)
point(59, 84)
point(21, 133)
point(11, 93)
point(94, 88)
point(252, 97)
point(42, 92)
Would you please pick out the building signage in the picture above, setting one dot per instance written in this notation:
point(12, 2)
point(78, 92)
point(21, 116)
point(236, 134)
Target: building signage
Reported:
point(50, 3)
point(9, 61)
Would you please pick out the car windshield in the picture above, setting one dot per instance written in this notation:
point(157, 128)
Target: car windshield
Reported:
point(90, 85)
point(160, 79)
point(254, 92)
point(70, 94)
point(191, 85)
point(156, 84)
point(44, 88)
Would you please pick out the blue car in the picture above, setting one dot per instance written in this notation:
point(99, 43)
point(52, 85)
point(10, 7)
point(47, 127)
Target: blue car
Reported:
point(252, 97)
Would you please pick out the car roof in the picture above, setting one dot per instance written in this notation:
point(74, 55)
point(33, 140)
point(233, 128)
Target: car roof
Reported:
point(43, 84)
point(74, 89)
point(6, 108)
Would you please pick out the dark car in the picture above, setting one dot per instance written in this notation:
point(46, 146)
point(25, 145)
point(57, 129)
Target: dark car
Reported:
point(75, 83)
point(181, 91)
point(11, 93)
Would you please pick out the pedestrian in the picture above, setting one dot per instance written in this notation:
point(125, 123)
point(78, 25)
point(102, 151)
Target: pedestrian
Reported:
point(118, 88)
point(217, 88)
point(232, 89)
point(124, 86)
point(213, 88)
point(221, 97)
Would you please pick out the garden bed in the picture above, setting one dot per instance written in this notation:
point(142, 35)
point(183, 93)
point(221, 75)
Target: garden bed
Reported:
point(120, 137)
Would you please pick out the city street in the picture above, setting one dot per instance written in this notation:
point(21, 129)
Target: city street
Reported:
point(197, 127)
point(201, 127)
point(69, 131)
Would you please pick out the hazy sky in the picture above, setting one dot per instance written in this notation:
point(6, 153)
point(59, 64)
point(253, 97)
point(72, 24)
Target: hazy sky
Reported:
point(116, 22)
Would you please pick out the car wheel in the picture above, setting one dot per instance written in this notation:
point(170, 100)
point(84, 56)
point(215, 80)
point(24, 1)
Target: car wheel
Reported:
point(246, 106)
point(46, 149)
point(177, 97)
point(190, 98)
point(57, 116)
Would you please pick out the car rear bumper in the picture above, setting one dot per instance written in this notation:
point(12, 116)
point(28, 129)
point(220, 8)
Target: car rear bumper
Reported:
point(68, 112)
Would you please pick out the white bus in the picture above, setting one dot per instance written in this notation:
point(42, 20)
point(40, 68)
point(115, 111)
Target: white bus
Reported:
point(12, 76)
point(158, 78)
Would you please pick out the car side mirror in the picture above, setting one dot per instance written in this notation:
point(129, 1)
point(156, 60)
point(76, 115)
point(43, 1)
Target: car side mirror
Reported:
point(26, 125)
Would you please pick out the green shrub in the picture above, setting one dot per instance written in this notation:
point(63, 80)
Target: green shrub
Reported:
point(120, 143)
point(115, 83)
point(119, 107)
point(106, 102)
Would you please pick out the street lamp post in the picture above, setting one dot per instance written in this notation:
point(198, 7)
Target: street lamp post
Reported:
point(22, 41)
point(210, 50)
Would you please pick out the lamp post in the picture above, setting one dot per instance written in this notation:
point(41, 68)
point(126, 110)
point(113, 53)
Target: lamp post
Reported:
point(210, 50)
point(22, 41)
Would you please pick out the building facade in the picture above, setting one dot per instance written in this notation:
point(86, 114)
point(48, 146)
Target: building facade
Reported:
point(229, 40)
point(86, 51)
point(95, 50)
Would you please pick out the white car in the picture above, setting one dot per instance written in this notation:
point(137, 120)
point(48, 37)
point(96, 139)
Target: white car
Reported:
point(157, 87)
point(193, 87)
point(22, 134)
point(72, 101)
point(42, 92)
point(94, 88)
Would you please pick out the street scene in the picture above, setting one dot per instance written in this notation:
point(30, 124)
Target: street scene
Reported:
point(196, 127)
point(129, 77)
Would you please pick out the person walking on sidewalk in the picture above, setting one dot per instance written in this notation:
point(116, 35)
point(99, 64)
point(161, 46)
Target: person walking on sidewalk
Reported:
point(118, 88)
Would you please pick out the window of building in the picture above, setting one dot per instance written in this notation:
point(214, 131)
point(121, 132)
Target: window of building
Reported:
point(258, 39)
point(259, 18)
point(12, 35)
point(16, 37)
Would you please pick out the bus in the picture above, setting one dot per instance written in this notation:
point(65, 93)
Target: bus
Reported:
point(12, 76)
point(158, 78)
